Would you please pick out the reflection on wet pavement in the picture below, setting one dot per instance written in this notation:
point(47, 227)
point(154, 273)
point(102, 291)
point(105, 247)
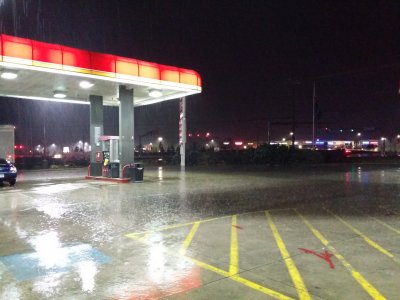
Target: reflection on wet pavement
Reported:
point(50, 258)
point(203, 234)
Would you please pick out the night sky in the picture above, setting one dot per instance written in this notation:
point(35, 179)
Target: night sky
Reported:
point(257, 59)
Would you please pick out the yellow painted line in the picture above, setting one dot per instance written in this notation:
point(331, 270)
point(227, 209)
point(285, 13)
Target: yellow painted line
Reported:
point(223, 273)
point(234, 257)
point(136, 235)
point(365, 238)
point(293, 271)
point(190, 237)
point(145, 236)
point(206, 266)
point(260, 288)
point(379, 221)
point(133, 234)
point(368, 287)
point(239, 279)
point(386, 225)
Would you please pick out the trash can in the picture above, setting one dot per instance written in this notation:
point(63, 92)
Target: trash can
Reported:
point(136, 172)
point(114, 170)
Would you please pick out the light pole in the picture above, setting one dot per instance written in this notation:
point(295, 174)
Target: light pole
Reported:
point(182, 131)
point(383, 139)
point(359, 140)
point(398, 141)
point(313, 117)
point(160, 145)
point(292, 136)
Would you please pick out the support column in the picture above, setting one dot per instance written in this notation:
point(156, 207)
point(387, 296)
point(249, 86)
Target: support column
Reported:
point(182, 130)
point(96, 130)
point(126, 128)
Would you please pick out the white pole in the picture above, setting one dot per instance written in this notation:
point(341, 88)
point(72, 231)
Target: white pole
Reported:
point(313, 117)
point(182, 130)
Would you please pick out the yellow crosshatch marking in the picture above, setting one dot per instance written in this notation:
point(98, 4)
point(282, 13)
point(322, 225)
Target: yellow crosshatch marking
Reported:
point(365, 238)
point(236, 278)
point(293, 271)
point(134, 234)
point(368, 287)
point(232, 270)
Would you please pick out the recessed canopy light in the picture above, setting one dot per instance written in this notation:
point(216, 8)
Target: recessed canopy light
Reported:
point(155, 93)
point(85, 84)
point(8, 75)
point(59, 94)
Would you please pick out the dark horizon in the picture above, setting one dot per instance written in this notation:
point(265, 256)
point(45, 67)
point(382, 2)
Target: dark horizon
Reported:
point(249, 55)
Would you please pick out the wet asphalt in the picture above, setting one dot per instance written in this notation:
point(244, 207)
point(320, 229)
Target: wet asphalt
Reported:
point(304, 232)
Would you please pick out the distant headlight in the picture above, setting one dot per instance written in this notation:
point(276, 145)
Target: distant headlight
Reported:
point(13, 169)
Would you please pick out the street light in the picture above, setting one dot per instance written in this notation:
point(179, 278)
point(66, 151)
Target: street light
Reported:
point(155, 93)
point(9, 75)
point(397, 144)
point(160, 139)
point(86, 84)
point(59, 94)
point(358, 143)
point(383, 139)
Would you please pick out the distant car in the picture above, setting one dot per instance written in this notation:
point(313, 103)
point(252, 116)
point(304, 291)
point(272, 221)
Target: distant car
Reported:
point(8, 172)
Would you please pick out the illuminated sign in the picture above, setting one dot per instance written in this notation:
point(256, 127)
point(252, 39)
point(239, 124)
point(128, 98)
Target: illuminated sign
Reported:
point(54, 57)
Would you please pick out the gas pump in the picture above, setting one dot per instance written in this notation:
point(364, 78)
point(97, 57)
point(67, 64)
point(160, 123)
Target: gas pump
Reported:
point(109, 159)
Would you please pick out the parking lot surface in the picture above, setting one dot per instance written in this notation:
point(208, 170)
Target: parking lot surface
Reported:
point(320, 232)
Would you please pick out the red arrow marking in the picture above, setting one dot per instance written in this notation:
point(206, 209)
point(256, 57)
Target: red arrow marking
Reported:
point(237, 226)
point(325, 256)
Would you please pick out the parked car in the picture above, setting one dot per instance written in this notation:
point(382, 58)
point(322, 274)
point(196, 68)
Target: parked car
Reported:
point(8, 172)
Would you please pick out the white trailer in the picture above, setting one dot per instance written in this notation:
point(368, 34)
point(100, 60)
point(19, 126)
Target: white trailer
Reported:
point(7, 140)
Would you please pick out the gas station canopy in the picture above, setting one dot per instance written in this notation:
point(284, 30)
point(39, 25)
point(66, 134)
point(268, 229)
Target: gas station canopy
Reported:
point(52, 72)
